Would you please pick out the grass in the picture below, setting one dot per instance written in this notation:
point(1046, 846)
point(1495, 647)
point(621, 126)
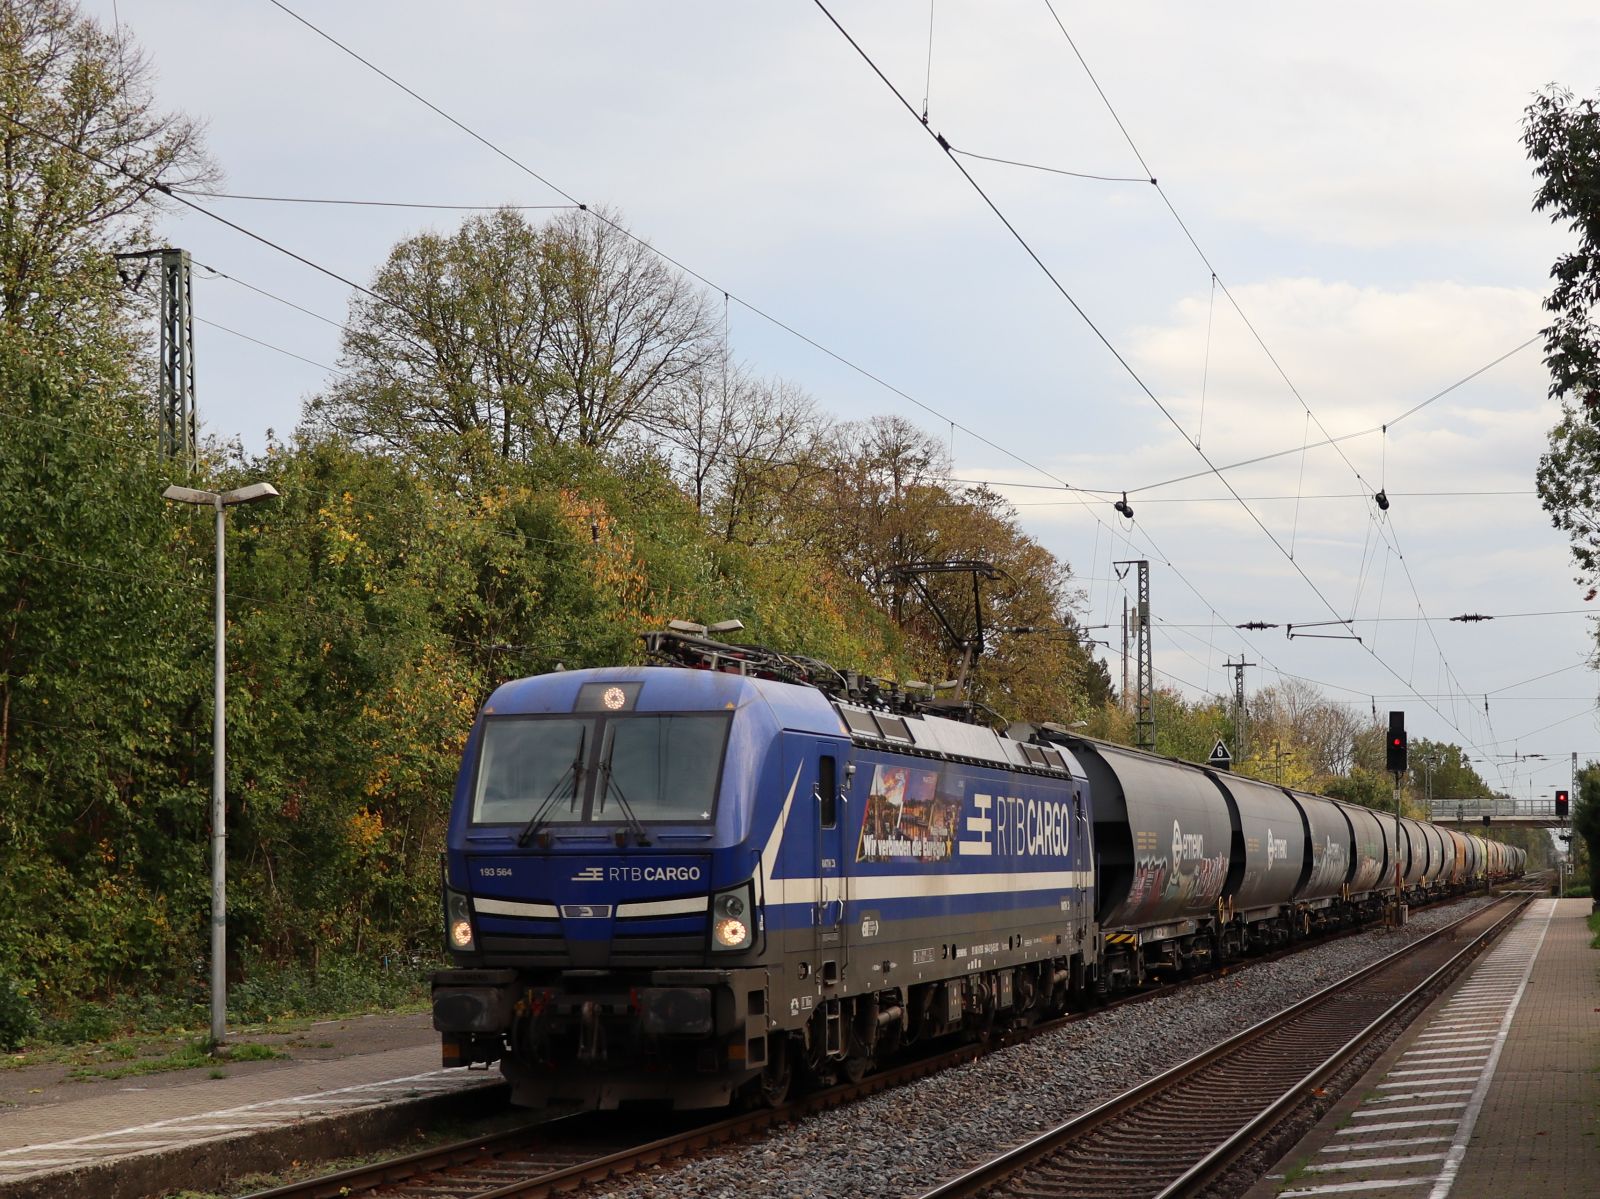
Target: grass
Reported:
point(132, 1035)
point(129, 1059)
point(1294, 1175)
point(1594, 927)
point(273, 999)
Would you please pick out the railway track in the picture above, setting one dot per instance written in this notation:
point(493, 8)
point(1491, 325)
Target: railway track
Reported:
point(558, 1156)
point(1179, 1132)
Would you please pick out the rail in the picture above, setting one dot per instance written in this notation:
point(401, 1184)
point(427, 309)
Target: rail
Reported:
point(1192, 1122)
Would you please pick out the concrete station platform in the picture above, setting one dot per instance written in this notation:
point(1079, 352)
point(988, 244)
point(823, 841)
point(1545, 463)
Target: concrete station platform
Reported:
point(1493, 1093)
point(143, 1136)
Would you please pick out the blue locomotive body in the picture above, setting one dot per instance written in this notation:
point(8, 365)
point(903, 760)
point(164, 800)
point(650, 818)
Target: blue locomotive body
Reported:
point(668, 885)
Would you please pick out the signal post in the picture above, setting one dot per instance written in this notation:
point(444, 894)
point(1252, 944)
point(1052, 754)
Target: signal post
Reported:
point(1395, 760)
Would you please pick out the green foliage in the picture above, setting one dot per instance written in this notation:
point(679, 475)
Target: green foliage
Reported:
point(18, 1020)
point(343, 986)
point(249, 1051)
point(135, 1060)
point(100, 824)
point(1364, 787)
point(1562, 137)
point(376, 604)
point(1586, 822)
point(72, 92)
point(487, 345)
point(82, 1024)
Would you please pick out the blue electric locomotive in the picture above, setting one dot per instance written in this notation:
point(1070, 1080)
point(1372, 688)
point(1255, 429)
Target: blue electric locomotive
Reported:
point(677, 885)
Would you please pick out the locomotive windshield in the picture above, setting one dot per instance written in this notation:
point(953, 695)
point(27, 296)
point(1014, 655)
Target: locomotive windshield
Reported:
point(600, 769)
point(662, 767)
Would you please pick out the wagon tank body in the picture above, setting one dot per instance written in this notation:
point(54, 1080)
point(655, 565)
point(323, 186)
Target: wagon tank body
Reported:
point(1269, 858)
point(1370, 848)
point(1329, 846)
point(1455, 858)
point(1162, 836)
point(1436, 856)
point(1416, 853)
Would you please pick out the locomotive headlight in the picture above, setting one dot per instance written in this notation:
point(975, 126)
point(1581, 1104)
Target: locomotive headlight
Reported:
point(732, 933)
point(458, 922)
point(730, 923)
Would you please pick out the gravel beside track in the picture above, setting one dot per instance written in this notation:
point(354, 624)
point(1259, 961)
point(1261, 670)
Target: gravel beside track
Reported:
point(909, 1139)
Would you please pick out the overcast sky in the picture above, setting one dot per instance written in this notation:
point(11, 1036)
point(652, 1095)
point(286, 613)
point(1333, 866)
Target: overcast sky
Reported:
point(1353, 174)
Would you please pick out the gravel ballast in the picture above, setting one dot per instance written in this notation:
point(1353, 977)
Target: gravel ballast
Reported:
point(907, 1140)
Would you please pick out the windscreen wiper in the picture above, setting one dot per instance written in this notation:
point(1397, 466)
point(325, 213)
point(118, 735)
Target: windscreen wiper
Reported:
point(573, 774)
point(612, 787)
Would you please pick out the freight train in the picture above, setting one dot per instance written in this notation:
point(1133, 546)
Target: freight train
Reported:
point(695, 883)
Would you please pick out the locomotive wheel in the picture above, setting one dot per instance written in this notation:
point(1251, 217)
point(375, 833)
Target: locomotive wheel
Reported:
point(772, 1088)
point(816, 1069)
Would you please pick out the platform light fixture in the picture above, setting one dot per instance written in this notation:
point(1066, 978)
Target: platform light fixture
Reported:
point(220, 501)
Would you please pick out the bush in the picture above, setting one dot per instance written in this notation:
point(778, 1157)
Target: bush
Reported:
point(85, 1023)
point(18, 1020)
point(339, 986)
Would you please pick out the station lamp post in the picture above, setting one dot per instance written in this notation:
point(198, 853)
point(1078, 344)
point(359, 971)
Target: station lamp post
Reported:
point(220, 501)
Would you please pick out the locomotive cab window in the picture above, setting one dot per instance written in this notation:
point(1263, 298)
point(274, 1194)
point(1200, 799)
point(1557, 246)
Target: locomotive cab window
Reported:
point(527, 764)
point(662, 767)
point(828, 791)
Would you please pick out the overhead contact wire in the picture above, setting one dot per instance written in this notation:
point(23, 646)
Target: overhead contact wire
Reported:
point(1095, 329)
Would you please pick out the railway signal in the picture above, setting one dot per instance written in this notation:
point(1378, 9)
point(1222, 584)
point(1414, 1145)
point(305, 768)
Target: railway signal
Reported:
point(1561, 804)
point(1397, 743)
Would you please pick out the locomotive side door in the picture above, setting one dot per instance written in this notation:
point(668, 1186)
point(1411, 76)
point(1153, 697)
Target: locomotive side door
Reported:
point(832, 879)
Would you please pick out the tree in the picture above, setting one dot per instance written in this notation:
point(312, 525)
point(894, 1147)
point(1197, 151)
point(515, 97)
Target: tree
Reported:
point(742, 445)
point(871, 508)
point(1586, 824)
point(632, 328)
point(102, 722)
point(81, 149)
point(1562, 137)
point(447, 362)
point(488, 344)
point(1322, 733)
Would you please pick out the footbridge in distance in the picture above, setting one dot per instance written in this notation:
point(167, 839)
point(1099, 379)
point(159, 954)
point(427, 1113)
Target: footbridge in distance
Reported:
point(1523, 813)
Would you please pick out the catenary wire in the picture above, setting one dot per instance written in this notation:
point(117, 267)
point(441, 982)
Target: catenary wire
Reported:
point(357, 287)
point(1033, 166)
point(1254, 332)
point(625, 232)
point(1106, 342)
point(214, 195)
point(267, 345)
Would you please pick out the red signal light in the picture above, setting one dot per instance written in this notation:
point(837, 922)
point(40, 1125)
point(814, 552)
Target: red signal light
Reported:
point(1395, 751)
